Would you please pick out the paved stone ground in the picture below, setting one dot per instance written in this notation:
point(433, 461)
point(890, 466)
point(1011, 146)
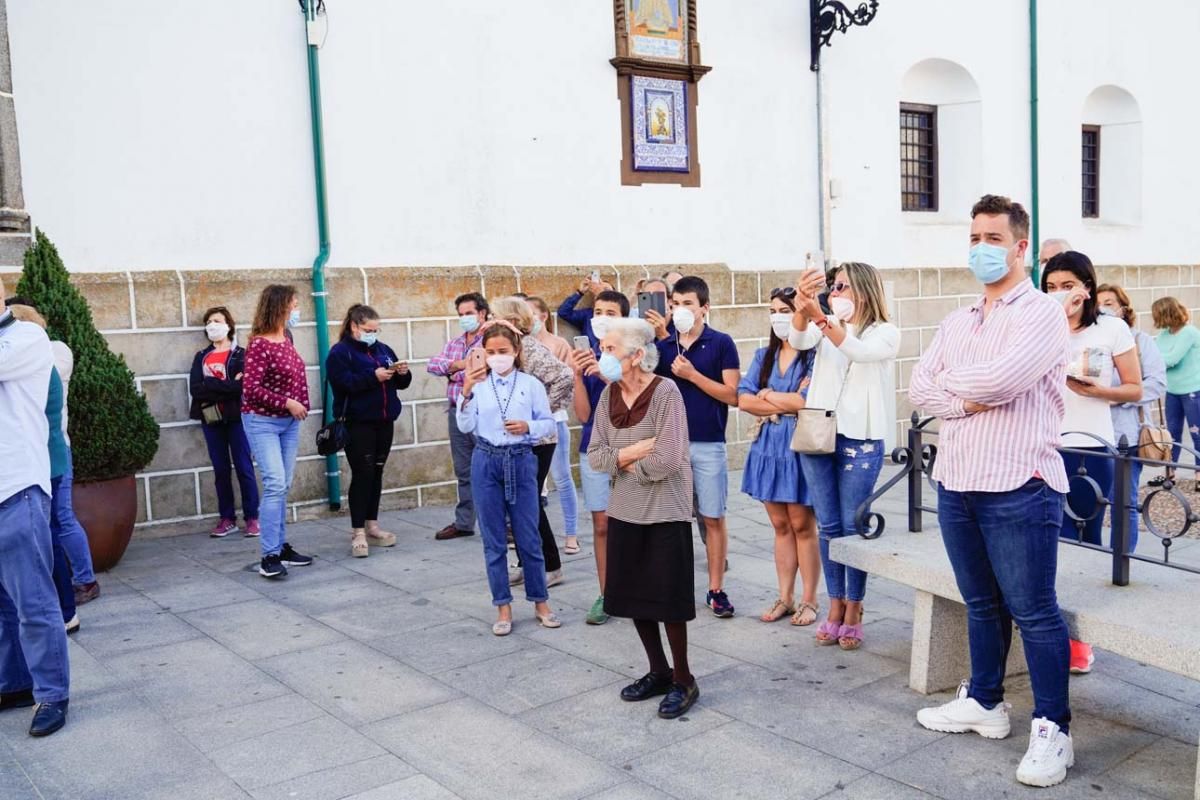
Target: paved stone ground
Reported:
point(378, 679)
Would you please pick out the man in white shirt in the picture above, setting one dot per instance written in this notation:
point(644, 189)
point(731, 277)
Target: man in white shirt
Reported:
point(33, 642)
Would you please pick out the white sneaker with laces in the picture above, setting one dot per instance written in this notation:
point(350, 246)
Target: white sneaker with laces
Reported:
point(1051, 753)
point(964, 714)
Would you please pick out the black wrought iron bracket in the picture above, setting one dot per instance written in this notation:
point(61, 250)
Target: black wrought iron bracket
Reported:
point(831, 16)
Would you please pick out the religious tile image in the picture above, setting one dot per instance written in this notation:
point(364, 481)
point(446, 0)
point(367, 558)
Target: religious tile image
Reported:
point(660, 141)
point(657, 29)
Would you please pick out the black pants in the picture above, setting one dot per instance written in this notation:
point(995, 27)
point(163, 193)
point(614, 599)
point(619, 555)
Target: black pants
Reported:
point(545, 456)
point(367, 447)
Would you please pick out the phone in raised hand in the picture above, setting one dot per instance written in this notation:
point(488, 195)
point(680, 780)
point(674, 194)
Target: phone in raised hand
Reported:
point(582, 343)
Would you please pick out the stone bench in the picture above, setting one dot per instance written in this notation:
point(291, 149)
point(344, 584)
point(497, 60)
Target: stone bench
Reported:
point(1113, 618)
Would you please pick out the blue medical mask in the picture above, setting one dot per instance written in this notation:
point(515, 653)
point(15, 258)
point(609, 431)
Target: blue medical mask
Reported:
point(1109, 312)
point(468, 322)
point(294, 318)
point(988, 262)
point(610, 367)
point(368, 338)
point(537, 327)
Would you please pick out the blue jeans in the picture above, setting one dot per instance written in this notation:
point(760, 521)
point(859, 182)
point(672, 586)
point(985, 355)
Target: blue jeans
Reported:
point(560, 470)
point(62, 566)
point(70, 533)
point(225, 440)
point(33, 642)
point(504, 483)
point(837, 484)
point(1082, 497)
point(1003, 547)
point(1180, 408)
point(274, 441)
point(1135, 479)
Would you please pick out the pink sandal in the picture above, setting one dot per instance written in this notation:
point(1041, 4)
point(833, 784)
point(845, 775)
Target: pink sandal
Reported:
point(828, 630)
point(850, 637)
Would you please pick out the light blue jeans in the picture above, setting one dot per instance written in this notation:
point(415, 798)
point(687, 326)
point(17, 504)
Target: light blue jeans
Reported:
point(560, 470)
point(273, 441)
point(70, 533)
point(33, 641)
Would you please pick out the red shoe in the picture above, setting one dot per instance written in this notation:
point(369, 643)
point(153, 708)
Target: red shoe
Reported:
point(252, 528)
point(223, 528)
point(1082, 658)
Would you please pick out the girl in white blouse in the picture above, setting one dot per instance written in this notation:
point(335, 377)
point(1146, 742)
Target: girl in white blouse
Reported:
point(854, 375)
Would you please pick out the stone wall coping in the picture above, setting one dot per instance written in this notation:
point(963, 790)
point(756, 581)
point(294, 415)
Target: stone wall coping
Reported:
point(1116, 618)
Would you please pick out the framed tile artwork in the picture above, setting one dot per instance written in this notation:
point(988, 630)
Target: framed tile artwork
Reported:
point(659, 124)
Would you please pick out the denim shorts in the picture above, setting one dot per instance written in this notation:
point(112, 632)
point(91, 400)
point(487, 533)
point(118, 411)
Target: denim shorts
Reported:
point(596, 486)
point(710, 478)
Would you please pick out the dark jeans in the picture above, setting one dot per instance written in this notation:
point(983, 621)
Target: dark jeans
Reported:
point(1135, 478)
point(1181, 408)
point(1003, 547)
point(545, 458)
point(838, 483)
point(225, 440)
point(1082, 497)
point(462, 445)
point(62, 565)
point(367, 447)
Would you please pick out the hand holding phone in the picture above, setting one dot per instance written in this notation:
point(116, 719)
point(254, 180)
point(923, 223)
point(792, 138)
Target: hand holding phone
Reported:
point(582, 343)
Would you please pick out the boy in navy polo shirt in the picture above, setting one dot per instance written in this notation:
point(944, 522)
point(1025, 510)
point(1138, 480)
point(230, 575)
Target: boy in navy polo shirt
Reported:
point(704, 364)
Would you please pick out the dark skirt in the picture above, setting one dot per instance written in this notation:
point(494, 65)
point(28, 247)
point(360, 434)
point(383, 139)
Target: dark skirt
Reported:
point(651, 574)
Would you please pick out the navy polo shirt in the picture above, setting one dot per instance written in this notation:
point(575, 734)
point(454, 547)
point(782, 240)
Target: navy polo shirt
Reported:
point(711, 354)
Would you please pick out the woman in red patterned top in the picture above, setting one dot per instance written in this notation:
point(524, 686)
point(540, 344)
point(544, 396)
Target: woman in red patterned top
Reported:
point(274, 403)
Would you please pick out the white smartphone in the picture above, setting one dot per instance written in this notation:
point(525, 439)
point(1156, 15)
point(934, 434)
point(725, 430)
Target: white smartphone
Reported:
point(582, 343)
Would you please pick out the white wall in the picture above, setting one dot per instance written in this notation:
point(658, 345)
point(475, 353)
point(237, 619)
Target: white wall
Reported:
point(159, 135)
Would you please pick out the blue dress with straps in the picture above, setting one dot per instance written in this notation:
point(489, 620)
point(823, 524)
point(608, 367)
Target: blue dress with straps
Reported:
point(772, 473)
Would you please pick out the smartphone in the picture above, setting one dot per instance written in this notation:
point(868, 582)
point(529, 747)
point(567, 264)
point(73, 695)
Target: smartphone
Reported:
point(651, 301)
point(595, 276)
point(582, 343)
point(476, 358)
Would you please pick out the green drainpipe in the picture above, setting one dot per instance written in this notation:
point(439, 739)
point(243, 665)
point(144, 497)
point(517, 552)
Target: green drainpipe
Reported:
point(1034, 204)
point(332, 471)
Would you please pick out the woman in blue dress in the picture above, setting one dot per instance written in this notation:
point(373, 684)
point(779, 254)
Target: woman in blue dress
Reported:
point(773, 391)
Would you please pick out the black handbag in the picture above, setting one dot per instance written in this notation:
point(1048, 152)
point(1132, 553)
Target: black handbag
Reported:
point(331, 439)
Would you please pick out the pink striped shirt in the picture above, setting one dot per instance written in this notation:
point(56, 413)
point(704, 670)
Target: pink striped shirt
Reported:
point(1014, 360)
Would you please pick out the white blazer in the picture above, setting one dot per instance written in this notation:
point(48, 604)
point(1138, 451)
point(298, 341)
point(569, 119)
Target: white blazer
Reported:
point(868, 407)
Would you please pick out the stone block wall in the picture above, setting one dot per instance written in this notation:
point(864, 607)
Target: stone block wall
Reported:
point(154, 320)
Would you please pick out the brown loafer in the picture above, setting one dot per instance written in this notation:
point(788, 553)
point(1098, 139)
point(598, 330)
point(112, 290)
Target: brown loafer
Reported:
point(451, 532)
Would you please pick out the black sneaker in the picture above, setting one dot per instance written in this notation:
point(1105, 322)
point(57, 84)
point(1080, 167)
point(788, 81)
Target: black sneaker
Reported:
point(18, 699)
point(678, 700)
point(719, 603)
point(272, 567)
point(647, 686)
point(293, 559)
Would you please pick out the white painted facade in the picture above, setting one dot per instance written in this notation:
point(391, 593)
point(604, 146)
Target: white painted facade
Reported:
point(164, 135)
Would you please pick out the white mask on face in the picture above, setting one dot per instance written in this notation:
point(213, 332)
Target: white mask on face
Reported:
point(842, 308)
point(781, 325)
point(600, 326)
point(684, 319)
point(216, 331)
point(1061, 297)
point(501, 364)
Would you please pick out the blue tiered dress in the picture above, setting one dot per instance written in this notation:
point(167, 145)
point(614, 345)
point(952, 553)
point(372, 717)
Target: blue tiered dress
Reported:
point(772, 472)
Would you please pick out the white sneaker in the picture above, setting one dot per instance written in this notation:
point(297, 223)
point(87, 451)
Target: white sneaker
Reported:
point(1051, 752)
point(964, 714)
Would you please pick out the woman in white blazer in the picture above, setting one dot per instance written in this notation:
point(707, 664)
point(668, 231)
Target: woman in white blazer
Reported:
point(854, 374)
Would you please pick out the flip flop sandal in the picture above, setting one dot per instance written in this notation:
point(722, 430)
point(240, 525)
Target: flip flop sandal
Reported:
point(571, 549)
point(830, 630)
point(803, 612)
point(777, 611)
point(850, 637)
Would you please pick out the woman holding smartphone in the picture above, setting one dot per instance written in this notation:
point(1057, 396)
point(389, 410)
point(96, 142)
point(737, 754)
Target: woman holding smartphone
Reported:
point(508, 412)
point(366, 376)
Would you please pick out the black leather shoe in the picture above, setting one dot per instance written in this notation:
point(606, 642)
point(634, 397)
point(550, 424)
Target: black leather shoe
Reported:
point(678, 701)
point(647, 686)
point(48, 718)
point(22, 699)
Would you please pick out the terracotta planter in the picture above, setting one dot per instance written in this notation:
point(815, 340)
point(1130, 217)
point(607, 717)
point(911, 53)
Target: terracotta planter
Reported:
point(107, 511)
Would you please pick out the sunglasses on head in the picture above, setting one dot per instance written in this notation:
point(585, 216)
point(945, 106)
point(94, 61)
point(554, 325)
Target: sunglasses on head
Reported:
point(783, 291)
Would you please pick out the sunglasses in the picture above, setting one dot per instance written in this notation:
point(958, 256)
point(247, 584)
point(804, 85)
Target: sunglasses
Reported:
point(783, 291)
point(839, 287)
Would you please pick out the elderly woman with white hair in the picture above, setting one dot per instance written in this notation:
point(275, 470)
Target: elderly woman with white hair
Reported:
point(640, 439)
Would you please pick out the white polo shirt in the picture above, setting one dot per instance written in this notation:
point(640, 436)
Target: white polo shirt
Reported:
point(25, 364)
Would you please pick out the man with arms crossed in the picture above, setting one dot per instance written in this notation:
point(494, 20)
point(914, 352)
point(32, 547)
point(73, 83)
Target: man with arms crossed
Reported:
point(995, 375)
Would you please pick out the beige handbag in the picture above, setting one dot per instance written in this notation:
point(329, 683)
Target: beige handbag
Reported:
point(1154, 441)
point(816, 428)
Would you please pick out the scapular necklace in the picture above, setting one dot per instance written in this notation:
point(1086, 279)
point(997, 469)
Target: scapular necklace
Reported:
point(503, 406)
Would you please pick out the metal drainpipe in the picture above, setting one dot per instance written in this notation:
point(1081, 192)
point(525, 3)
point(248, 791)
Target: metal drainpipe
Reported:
point(1034, 204)
point(333, 476)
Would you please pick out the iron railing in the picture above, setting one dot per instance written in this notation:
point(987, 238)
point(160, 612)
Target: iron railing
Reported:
point(917, 459)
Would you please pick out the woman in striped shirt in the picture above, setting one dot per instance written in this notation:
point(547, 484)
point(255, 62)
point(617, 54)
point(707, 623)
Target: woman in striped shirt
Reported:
point(640, 439)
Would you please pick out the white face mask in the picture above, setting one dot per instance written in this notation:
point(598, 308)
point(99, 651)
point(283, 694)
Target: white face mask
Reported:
point(684, 319)
point(501, 364)
point(1061, 297)
point(781, 324)
point(216, 331)
point(842, 308)
point(600, 326)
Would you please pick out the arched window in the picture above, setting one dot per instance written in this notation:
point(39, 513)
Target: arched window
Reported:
point(941, 155)
point(1111, 156)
